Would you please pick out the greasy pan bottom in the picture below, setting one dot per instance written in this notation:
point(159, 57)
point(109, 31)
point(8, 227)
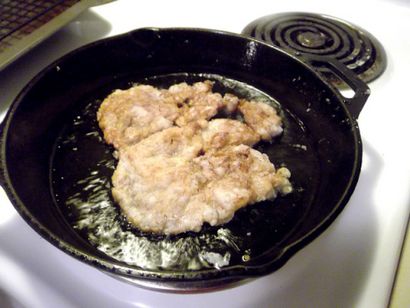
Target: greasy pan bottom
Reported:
point(83, 165)
point(56, 168)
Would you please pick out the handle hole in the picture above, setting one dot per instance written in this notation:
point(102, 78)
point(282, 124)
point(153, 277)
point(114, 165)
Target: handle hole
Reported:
point(340, 84)
point(347, 93)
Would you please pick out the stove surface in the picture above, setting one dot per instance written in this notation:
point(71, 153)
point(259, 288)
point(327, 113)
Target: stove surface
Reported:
point(352, 264)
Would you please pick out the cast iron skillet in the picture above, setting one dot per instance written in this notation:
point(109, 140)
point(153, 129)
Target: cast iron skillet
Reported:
point(56, 169)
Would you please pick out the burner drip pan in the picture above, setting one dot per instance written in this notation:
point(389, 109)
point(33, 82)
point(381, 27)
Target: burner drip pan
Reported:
point(323, 37)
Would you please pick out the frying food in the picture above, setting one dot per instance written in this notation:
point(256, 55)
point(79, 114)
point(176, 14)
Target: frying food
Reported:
point(176, 193)
point(196, 102)
point(128, 116)
point(219, 133)
point(179, 168)
point(262, 118)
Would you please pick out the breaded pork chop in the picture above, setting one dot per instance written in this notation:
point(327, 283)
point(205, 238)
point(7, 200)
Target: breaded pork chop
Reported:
point(176, 194)
point(172, 179)
point(196, 102)
point(175, 141)
point(128, 116)
point(219, 133)
point(262, 117)
point(195, 138)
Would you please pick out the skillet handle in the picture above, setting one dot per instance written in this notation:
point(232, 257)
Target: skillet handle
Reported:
point(361, 90)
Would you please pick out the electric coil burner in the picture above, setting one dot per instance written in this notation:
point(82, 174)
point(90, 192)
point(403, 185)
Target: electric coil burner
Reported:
point(315, 36)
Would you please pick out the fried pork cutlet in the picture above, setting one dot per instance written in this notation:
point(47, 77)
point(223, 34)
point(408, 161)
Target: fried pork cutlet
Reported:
point(179, 168)
point(219, 133)
point(196, 102)
point(128, 116)
point(174, 194)
point(262, 118)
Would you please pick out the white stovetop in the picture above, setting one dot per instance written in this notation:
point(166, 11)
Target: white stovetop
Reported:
point(352, 264)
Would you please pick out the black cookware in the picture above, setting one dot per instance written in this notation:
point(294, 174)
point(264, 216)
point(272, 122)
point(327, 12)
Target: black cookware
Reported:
point(55, 167)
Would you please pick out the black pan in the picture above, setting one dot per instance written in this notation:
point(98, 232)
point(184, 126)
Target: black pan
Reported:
point(56, 169)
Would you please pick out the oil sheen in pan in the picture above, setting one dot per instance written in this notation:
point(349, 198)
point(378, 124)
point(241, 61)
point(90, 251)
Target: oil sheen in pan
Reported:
point(81, 180)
